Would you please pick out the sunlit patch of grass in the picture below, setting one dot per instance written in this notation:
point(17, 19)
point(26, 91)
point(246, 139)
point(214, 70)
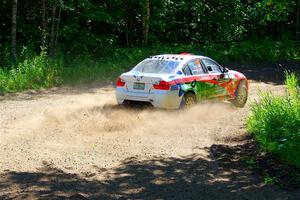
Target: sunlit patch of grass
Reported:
point(275, 122)
point(31, 73)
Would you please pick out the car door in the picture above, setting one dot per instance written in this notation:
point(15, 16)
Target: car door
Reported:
point(197, 80)
point(218, 76)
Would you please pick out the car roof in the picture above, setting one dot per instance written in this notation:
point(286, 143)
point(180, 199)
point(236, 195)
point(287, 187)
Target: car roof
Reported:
point(178, 57)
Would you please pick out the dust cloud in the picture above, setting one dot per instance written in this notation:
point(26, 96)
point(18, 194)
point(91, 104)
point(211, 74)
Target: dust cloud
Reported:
point(81, 130)
point(91, 119)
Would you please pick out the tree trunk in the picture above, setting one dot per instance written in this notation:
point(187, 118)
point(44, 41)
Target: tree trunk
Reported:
point(146, 21)
point(14, 31)
point(298, 18)
point(52, 36)
point(57, 28)
point(129, 22)
point(127, 34)
point(44, 24)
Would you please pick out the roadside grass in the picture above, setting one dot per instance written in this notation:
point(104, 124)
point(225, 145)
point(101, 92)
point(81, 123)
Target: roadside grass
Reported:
point(31, 73)
point(275, 122)
point(37, 71)
point(85, 70)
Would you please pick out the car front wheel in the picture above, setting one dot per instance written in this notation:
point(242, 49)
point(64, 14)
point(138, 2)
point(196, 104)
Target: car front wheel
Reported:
point(241, 95)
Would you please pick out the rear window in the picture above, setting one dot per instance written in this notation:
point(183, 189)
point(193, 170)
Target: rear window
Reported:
point(156, 66)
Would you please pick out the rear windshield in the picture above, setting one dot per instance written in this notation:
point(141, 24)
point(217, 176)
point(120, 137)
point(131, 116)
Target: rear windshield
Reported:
point(156, 66)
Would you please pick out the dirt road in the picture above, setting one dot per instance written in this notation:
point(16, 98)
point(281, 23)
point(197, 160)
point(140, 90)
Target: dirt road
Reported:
point(76, 143)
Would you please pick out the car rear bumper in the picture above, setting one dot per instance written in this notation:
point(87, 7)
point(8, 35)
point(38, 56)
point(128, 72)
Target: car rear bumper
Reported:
point(158, 98)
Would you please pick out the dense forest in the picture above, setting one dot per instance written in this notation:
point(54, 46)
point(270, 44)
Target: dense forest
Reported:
point(89, 32)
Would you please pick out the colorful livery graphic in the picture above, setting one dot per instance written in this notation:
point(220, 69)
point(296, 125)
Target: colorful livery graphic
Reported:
point(174, 81)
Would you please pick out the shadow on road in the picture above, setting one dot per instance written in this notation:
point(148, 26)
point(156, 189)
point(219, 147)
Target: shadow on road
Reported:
point(272, 73)
point(223, 175)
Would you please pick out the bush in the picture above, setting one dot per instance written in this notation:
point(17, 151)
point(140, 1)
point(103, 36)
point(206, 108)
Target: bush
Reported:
point(33, 73)
point(275, 122)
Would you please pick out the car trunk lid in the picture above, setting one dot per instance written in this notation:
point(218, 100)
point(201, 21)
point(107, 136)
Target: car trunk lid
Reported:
point(141, 82)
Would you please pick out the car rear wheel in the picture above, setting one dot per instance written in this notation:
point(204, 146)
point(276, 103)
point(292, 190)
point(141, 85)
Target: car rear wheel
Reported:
point(188, 100)
point(241, 96)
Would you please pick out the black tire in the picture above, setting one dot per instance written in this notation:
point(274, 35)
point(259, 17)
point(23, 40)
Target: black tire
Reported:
point(241, 95)
point(188, 100)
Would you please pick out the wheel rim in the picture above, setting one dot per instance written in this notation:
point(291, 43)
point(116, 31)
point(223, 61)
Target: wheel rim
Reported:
point(189, 101)
point(242, 96)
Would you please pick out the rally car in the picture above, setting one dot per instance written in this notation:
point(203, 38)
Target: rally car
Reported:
point(175, 81)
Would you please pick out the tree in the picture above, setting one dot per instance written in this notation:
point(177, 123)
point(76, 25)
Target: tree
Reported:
point(146, 20)
point(14, 31)
point(92, 25)
point(52, 34)
point(298, 18)
point(55, 27)
point(44, 24)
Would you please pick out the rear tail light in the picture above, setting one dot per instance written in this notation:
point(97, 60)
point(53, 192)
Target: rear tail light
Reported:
point(162, 85)
point(120, 82)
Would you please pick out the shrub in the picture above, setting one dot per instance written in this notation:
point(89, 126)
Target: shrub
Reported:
point(33, 73)
point(275, 122)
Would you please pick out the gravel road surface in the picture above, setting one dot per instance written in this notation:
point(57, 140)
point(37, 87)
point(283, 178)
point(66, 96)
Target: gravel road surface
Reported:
point(76, 143)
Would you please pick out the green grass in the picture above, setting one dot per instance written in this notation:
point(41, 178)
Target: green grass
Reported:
point(31, 73)
point(275, 122)
point(86, 70)
point(36, 71)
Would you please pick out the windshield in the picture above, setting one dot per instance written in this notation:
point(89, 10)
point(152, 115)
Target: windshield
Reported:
point(156, 66)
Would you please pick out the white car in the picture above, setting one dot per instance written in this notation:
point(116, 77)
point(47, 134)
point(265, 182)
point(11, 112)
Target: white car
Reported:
point(173, 81)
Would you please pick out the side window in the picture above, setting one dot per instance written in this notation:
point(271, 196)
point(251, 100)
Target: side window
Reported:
point(186, 70)
point(196, 67)
point(211, 66)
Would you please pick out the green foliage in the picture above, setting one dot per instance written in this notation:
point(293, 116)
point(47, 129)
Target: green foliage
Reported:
point(273, 10)
point(268, 180)
point(82, 70)
point(33, 72)
point(114, 61)
point(90, 26)
point(275, 122)
point(259, 50)
point(38, 71)
point(251, 162)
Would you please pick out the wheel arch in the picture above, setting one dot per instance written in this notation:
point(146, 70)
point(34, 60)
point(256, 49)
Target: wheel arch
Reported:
point(190, 91)
point(243, 81)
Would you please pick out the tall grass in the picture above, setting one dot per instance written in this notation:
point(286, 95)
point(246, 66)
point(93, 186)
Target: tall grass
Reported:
point(275, 122)
point(31, 73)
point(85, 69)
